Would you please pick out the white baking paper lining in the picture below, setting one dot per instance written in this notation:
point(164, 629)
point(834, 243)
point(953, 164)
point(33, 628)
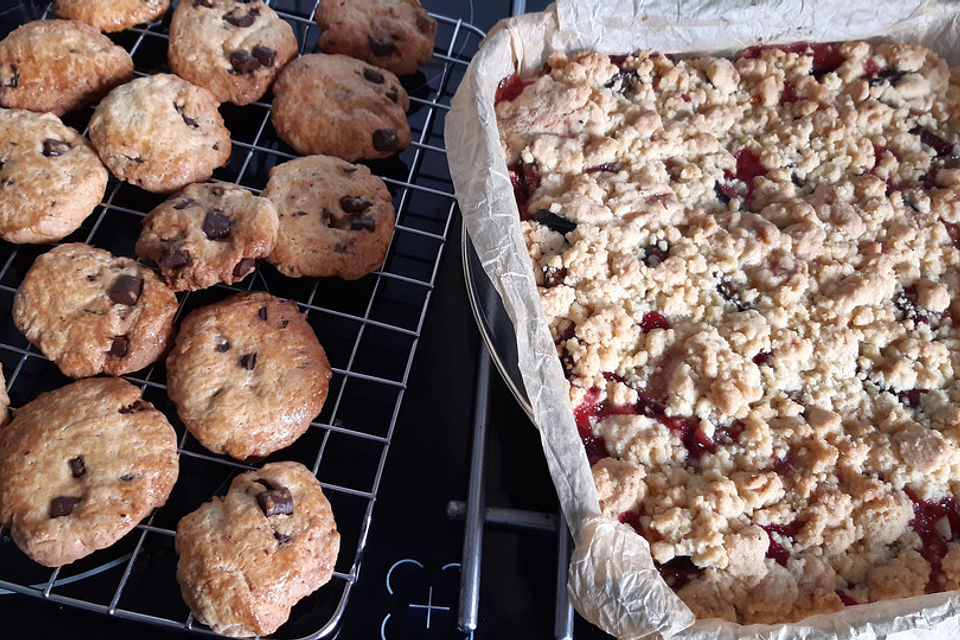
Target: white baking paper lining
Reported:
point(612, 580)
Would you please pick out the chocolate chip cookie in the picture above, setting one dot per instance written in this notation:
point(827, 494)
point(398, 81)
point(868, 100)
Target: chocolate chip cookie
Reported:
point(92, 312)
point(394, 35)
point(80, 466)
point(247, 374)
point(248, 557)
point(208, 233)
point(112, 15)
point(234, 48)
point(59, 66)
point(50, 177)
point(336, 218)
point(364, 108)
point(160, 133)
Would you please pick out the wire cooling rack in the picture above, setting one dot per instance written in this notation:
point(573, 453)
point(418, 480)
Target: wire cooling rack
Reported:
point(370, 329)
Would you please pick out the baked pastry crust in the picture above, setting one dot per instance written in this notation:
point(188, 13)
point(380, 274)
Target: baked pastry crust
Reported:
point(748, 268)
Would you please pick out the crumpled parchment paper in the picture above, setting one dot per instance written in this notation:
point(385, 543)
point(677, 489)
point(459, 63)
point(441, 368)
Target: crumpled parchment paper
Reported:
point(612, 579)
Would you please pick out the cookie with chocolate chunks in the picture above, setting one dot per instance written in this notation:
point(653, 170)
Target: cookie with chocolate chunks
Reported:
point(246, 558)
point(80, 466)
point(364, 108)
point(112, 15)
point(336, 218)
point(92, 312)
point(231, 47)
point(208, 233)
point(394, 35)
point(160, 133)
point(247, 374)
point(59, 66)
point(50, 177)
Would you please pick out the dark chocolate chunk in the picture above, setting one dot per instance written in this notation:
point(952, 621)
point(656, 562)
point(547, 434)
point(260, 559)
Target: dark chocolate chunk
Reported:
point(373, 76)
point(77, 467)
point(127, 477)
point(138, 405)
point(248, 361)
point(63, 506)
point(242, 20)
point(284, 323)
point(119, 346)
point(297, 214)
point(183, 204)
point(381, 45)
point(282, 538)
point(554, 222)
point(275, 502)
point(363, 224)
point(53, 148)
point(174, 257)
point(243, 62)
point(190, 122)
point(126, 290)
point(223, 347)
point(244, 267)
point(352, 204)
point(216, 225)
point(265, 55)
point(262, 313)
point(386, 140)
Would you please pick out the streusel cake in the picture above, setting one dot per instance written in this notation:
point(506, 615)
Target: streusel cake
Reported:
point(747, 266)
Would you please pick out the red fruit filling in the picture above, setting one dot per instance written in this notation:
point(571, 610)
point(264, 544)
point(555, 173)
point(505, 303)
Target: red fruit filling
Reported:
point(679, 572)
point(932, 140)
point(606, 167)
point(631, 518)
point(907, 301)
point(846, 599)
point(510, 88)
point(552, 277)
point(776, 550)
point(525, 180)
point(911, 397)
point(953, 230)
point(762, 358)
point(934, 546)
point(826, 55)
point(653, 320)
point(789, 94)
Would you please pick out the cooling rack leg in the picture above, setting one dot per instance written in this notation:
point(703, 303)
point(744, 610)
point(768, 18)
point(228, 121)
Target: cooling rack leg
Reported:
point(563, 617)
point(473, 528)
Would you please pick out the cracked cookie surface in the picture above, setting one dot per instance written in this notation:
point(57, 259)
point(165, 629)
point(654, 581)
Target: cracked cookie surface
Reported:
point(396, 36)
point(112, 15)
point(749, 268)
point(336, 218)
point(50, 177)
point(59, 66)
point(80, 466)
point(247, 374)
point(364, 108)
point(246, 558)
point(160, 133)
point(92, 312)
point(231, 47)
point(208, 233)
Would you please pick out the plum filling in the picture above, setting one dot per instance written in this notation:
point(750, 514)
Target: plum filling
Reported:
point(776, 550)
point(907, 302)
point(525, 181)
point(631, 518)
point(826, 55)
point(653, 320)
point(934, 545)
point(510, 88)
point(679, 572)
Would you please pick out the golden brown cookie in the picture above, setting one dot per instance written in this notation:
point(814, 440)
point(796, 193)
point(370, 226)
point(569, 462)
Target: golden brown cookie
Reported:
point(112, 15)
point(59, 66)
point(234, 48)
point(81, 466)
point(4, 400)
point(50, 177)
point(160, 133)
point(336, 218)
point(208, 233)
point(247, 374)
point(92, 312)
point(248, 557)
point(394, 35)
point(364, 108)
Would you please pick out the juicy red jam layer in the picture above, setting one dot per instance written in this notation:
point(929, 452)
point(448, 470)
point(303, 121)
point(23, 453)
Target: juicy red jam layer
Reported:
point(525, 180)
point(653, 320)
point(777, 551)
point(679, 572)
point(510, 88)
point(933, 545)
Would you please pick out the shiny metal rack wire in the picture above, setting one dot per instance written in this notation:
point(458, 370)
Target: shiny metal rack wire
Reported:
point(370, 329)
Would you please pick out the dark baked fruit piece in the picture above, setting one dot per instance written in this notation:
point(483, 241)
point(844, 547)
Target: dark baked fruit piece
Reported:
point(336, 218)
point(208, 233)
point(112, 15)
point(92, 312)
point(394, 35)
point(247, 374)
point(80, 466)
point(364, 108)
point(248, 557)
point(234, 48)
point(59, 66)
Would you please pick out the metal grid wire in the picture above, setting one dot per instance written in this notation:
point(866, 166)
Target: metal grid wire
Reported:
point(370, 329)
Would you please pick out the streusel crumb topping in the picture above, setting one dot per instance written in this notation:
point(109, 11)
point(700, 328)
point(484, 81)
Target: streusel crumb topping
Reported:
point(748, 268)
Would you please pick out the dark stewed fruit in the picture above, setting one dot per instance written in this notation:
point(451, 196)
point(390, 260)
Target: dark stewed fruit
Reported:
point(525, 181)
point(510, 88)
